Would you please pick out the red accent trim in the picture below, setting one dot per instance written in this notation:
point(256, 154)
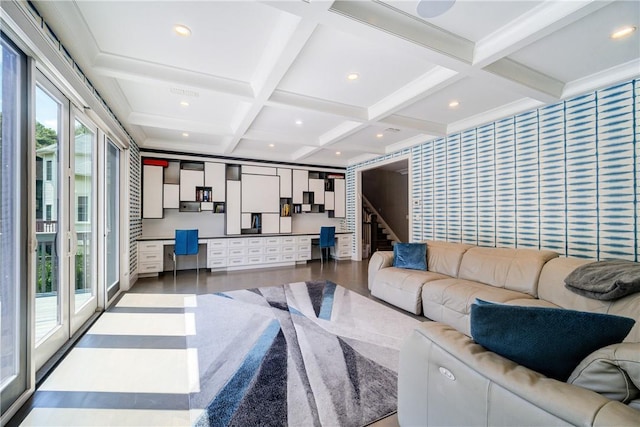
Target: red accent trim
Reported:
point(155, 162)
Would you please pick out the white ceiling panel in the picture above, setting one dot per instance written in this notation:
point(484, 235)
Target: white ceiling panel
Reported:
point(473, 99)
point(471, 19)
point(321, 70)
point(585, 47)
point(251, 69)
point(220, 30)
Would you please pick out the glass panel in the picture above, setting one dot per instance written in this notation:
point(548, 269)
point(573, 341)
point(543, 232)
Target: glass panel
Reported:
point(84, 200)
point(113, 209)
point(48, 112)
point(13, 302)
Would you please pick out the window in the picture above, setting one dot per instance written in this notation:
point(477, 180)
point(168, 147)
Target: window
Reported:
point(49, 171)
point(83, 208)
point(48, 213)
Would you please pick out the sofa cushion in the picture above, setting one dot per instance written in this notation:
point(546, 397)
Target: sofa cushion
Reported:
point(449, 300)
point(605, 280)
point(612, 371)
point(445, 257)
point(551, 288)
point(514, 269)
point(402, 287)
point(548, 340)
point(410, 255)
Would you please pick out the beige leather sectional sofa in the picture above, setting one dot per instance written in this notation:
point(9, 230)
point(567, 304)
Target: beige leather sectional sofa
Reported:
point(445, 378)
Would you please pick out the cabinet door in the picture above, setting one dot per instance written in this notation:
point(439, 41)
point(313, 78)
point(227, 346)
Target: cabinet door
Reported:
point(329, 200)
point(171, 196)
point(300, 184)
point(215, 177)
point(285, 224)
point(340, 202)
point(233, 207)
point(189, 180)
point(270, 223)
point(285, 182)
point(152, 191)
point(317, 187)
point(260, 193)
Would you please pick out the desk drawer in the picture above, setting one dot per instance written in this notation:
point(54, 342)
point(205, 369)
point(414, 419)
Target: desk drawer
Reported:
point(255, 241)
point(150, 257)
point(150, 247)
point(216, 262)
point(304, 248)
point(288, 239)
point(272, 250)
point(272, 241)
point(217, 253)
point(255, 259)
point(237, 251)
point(236, 261)
point(304, 239)
point(218, 243)
point(304, 256)
point(272, 258)
point(150, 267)
point(288, 249)
point(254, 250)
point(233, 243)
point(288, 257)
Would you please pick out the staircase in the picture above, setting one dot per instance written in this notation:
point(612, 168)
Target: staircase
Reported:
point(380, 237)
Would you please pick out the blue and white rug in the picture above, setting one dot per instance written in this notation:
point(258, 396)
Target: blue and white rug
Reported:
point(302, 354)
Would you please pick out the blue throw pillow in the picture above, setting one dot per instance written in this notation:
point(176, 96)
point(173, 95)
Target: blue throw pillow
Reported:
point(410, 255)
point(552, 341)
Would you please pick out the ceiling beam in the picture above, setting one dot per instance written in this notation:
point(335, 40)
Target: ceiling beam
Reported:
point(180, 125)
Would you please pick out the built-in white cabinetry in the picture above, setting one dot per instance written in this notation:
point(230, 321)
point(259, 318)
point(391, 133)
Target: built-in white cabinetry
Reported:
point(150, 257)
point(300, 184)
point(258, 170)
point(171, 196)
point(342, 249)
point(339, 210)
point(233, 206)
point(329, 200)
point(215, 177)
point(285, 182)
point(285, 224)
point(316, 186)
point(270, 223)
point(258, 251)
point(152, 179)
point(260, 193)
point(189, 180)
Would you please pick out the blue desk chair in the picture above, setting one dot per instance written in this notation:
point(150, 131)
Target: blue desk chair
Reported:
point(327, 240)
point(186, 244)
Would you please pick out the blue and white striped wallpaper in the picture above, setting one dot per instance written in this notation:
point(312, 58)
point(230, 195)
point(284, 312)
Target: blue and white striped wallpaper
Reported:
point(564, 177)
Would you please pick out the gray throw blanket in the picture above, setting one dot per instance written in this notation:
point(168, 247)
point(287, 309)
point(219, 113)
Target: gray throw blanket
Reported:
point(605, 280)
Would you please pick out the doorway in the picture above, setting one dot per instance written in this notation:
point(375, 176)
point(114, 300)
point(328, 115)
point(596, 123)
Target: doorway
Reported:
point(383, 205)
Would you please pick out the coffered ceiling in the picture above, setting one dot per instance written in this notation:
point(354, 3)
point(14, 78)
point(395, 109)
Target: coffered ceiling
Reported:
point(269, 80)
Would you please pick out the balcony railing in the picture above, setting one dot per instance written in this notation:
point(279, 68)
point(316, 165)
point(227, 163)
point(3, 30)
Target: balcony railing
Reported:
point(43, 226)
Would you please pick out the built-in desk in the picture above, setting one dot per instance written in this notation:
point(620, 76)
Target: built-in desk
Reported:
point(238, 252)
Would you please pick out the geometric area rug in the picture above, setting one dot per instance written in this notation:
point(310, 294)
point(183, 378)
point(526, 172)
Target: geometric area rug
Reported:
point(301, 354)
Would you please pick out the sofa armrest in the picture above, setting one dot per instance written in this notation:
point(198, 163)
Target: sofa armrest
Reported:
point(378, 261)
point(442, 370)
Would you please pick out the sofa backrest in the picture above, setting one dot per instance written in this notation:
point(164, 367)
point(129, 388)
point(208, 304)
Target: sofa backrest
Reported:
point(513, 269)
point(551, 288)
point(445, 257)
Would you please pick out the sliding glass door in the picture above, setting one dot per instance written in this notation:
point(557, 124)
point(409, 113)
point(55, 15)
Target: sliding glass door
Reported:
point(83, 220)
point(14, 375)
point(65, 214)
point(112, 219)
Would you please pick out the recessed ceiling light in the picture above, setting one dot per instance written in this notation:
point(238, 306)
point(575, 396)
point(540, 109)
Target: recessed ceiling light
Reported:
point(272, 145)
point(298, 122)
point(182, 30)
point(185, 134)
point(453, 104)
point(338, 153)
point(379, 135)
point(353, 76)
point(623, 32)
point(184, 103)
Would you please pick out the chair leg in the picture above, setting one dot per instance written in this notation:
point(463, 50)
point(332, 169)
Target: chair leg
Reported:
point(174, 267)
point(321, 256)
point(197, 266)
